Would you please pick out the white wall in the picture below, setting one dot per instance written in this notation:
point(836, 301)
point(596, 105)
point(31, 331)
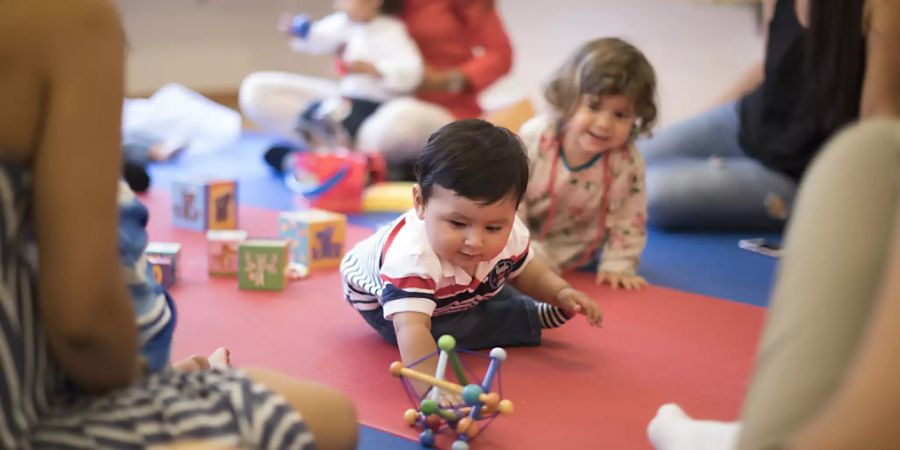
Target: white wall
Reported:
point(210, 45)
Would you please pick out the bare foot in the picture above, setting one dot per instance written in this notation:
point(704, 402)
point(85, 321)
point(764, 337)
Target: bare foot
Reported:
point(220, 358)
point(193, 363)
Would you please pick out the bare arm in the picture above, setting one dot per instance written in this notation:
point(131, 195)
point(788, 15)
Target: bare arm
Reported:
point(484, 29)
point(863, 413)
point(542, 284)
point(487, 32)
point(415, 341)
point(83, 302)
point(751, 78)
point(539, 282)
point(881, 85)
point(748, 81)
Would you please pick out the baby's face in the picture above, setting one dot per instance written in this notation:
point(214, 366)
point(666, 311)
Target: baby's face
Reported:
point(359, 10)
point(463, 231)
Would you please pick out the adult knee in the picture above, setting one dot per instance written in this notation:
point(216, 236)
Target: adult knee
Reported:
point(866, 146)
point(338, 428)
point(400, 128)
point(253, 89)
point(328, 413)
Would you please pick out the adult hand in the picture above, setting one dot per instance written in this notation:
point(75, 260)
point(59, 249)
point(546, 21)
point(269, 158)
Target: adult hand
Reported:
point(443, 80)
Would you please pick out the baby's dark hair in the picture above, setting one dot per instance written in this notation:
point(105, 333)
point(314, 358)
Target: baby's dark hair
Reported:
point(391, 7)
point(476, 160)
point(606, 66)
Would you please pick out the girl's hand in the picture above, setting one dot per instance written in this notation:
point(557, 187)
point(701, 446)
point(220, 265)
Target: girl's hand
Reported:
point(616, 280)
point(576, 302)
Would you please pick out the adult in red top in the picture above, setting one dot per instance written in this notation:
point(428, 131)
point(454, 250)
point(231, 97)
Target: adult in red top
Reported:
point(458, 38)
point(465, 48)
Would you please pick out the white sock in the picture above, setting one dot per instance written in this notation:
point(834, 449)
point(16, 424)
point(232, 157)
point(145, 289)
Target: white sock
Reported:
point(673, 429)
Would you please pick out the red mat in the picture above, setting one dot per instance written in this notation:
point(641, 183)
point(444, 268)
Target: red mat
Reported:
point(583, 388)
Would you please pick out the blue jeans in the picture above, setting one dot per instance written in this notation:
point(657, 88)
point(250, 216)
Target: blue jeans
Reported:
point(698, 176)
point(508, 319)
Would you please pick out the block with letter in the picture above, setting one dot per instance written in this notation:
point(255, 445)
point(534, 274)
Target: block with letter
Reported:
point(262, 264)
point(223, 246)
point(204, 204)
point(316, 237)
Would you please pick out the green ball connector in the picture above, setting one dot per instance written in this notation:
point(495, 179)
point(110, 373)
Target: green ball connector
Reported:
point(428, 407)
point(446, 343)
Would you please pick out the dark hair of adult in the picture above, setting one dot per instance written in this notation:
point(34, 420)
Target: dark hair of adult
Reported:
point(836, 60)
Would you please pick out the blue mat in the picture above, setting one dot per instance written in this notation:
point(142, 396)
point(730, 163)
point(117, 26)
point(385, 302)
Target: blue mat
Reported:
point(709, 264)
point(375, 439)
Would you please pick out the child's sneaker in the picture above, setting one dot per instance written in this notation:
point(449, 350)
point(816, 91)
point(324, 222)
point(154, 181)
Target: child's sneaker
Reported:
point(277, 157)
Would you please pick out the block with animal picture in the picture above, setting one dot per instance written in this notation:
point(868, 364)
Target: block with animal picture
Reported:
point(316, 237)
point(204, 204)
point(262, 264)
point(163, 269)
point(223, 246)
point(169, 250)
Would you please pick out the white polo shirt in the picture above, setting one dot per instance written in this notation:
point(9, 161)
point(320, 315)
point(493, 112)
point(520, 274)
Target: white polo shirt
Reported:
point(397, 269)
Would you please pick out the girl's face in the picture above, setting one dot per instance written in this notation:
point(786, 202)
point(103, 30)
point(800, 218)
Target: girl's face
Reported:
point(359, 10)
point(599, 124)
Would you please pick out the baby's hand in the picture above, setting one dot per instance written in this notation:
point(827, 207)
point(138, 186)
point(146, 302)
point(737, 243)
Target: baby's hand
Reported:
point(577, 302)
point(616, 280)
point(447, 399)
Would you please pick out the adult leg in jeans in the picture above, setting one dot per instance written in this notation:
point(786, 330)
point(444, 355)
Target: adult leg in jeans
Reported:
point(699, 177)
point(274, 100)
point(726, 194)
point(712, 133)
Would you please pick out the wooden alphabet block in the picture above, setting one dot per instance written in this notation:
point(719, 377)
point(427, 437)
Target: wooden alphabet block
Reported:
point(262, 264)
point(204, 204)
point(316, 237)
point(223, 246)
point(169, 250)
point(163, 270)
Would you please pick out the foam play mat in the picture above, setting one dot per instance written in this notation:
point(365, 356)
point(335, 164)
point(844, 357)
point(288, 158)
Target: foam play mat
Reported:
point(587, 387)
